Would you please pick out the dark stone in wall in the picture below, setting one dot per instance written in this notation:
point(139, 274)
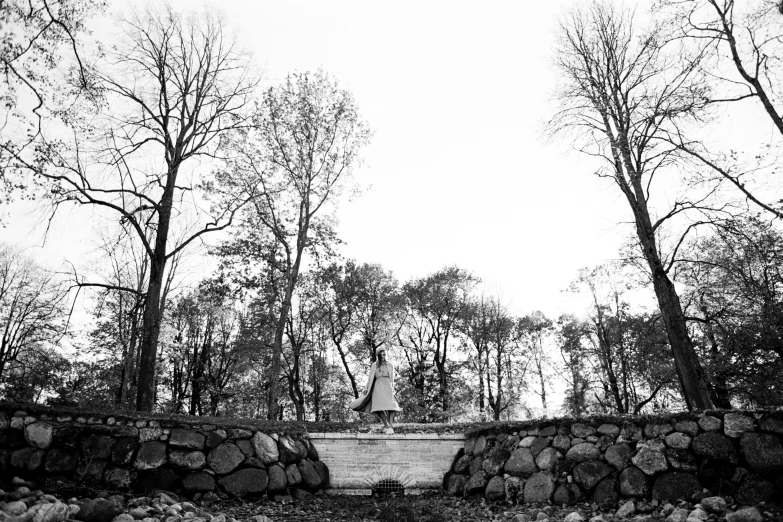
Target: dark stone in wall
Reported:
point(312, 452)
point(519, 464)
point(633, 482)
point(123, 451)
point(470, 444)
point(97, 446)
point(288, 453)
point(91, 470)
point(675, 485)
point(292, 475)
point(568, 494)
point(477, 483)
point(277, 478)
point(225, 458)
point(540, 487)
point(151, 455)
point(456, 485)
point(310, 477)
point(588, 474)
point(11, 439)
point(565, 465)
point(323, 472)
point(476, 465)
point(120, 478)
point(60, 460)
point(713, 471)
point(5, 456)
point(460, 453)
point(198, 482)
point(186, 439)
point(755, 489)
point(162, 478)
point(246, 447)
point(715, 445)
point(20, 457)
point(479, 446)
point(496, 489)
point(301, 448)
point(239, 433)
point(539, 444)
point(772, 423)
point(681, 460)
point(493, 464)
point(114, 431)
point(245, 482)
point(606, 492)
point(618, 455)
point(215, 438)
point(762, 451)
point(253, 462)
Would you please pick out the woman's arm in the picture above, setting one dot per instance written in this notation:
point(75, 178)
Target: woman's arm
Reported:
point(391, 375)
point(370, 378)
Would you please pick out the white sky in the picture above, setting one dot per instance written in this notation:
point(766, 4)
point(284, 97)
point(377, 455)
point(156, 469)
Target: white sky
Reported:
point(458, 172)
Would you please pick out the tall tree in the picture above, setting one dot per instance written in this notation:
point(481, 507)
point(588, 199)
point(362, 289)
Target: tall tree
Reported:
point(625, 92)
point(172, 89)
point(43, 73)
point(438, 302)
point(744, 43)
point(571, 336)
point(33, 308)
point(363, 309)
point(534, 329)
point(293, 163)
point(734, 278)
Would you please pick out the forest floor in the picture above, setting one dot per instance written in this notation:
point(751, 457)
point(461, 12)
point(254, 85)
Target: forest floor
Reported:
point(427, 507)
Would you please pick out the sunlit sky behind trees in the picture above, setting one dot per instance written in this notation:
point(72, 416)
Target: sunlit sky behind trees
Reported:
point(458, 171)
point(472, 171)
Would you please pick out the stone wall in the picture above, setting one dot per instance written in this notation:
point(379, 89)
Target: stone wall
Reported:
point(159, 453)
point(359, 461)
point(737, 454)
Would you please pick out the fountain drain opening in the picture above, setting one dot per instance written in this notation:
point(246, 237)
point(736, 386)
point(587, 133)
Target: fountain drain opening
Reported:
point(388, 487)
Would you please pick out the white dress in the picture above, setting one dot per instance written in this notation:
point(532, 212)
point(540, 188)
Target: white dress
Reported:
point(383, 390)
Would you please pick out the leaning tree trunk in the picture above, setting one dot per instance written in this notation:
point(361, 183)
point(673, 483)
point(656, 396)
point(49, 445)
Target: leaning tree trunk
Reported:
point(693, 382)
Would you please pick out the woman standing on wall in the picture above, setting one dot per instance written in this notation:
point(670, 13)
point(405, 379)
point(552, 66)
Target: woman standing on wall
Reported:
point(378, 396)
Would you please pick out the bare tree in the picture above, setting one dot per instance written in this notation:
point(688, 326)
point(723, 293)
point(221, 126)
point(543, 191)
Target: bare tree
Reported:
point(33, 307)
point(438, 302)
point(745, 47)
point(624, 93)
point(39, 54)
point(533, 329)
point(172, 90)
point(292, 164)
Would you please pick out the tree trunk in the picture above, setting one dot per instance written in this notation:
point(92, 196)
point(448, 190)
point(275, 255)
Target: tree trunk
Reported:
point(277, 350)
point(693, 382)
point(153, 309)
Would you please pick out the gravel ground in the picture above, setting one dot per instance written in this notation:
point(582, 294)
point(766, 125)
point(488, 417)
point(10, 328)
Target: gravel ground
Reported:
point(21, 501)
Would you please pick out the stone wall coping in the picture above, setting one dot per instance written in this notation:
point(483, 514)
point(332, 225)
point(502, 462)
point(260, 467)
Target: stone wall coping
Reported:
point(394, 436)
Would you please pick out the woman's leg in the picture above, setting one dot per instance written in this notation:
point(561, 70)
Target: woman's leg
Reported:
point(382, 416)
point(390, 414)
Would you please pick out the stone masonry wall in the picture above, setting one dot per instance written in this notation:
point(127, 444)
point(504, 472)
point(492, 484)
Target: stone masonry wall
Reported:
point(149, 454)
point(737, 454)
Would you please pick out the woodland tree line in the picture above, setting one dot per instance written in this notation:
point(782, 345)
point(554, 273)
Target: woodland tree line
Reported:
point(170, 134)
